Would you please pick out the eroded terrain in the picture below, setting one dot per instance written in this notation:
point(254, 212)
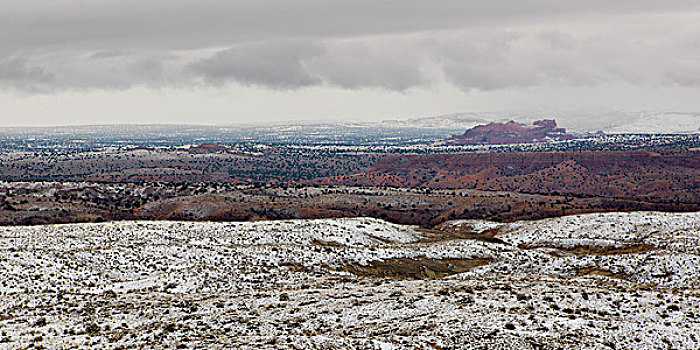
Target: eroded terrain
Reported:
point(595, 281)
point(30, 203)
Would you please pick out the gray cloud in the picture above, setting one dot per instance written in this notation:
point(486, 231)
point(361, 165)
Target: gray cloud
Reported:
point(49, 72)
point(556, 39)
point(185, 24)
point(20, 72)
point(294, 64)
point(109, 54)
point(685, 74)
point(363, 44)
point(389, 64)
point(279, 65)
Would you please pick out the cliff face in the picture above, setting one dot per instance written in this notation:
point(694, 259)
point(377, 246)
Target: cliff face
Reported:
point(511, 132)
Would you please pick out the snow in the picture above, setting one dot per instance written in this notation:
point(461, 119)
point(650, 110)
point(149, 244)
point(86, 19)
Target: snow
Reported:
point(281, 284)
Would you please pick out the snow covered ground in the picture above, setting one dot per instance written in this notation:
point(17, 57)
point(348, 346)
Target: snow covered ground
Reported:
point(595, 281)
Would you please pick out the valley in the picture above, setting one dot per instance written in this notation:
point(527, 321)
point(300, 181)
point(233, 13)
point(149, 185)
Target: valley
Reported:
point(332, 240)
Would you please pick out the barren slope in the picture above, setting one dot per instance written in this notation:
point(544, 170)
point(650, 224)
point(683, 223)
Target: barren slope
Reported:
point(588, 282)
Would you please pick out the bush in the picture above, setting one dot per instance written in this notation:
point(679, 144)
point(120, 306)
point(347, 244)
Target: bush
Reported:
point(41, 322)
point(92, 328)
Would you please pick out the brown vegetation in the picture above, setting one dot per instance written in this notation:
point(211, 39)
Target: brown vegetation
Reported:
point(588, 271)
point(599, 250)
point(642, 176)
point(418, 268)
point(216, 202)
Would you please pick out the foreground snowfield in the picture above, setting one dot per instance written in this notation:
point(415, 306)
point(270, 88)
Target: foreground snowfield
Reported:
point(596, 281)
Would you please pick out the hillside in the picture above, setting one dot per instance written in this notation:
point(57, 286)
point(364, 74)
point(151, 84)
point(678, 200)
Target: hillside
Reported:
point(61, 202)
point(623, 174)
point(624, 280)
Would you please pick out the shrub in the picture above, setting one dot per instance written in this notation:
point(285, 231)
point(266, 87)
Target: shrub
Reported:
point(92, 328)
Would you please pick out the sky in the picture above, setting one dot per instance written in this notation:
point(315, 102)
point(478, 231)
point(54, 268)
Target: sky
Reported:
point(69, 62)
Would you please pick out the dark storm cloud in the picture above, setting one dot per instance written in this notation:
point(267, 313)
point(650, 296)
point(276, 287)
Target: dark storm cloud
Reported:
point(393, 45)
point(279, 65)
point(297, 64)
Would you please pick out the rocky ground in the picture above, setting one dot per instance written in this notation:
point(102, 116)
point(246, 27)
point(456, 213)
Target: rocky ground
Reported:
point(39, 203)
point(594, 281)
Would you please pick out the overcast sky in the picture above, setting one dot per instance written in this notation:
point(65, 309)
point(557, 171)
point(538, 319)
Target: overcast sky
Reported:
point(232, 61)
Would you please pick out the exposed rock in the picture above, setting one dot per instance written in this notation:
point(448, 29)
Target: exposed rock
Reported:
point(512, 132)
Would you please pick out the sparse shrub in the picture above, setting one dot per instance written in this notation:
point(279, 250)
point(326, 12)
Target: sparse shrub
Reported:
point(41, 322)
point(170, 327)
point(92, 328)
